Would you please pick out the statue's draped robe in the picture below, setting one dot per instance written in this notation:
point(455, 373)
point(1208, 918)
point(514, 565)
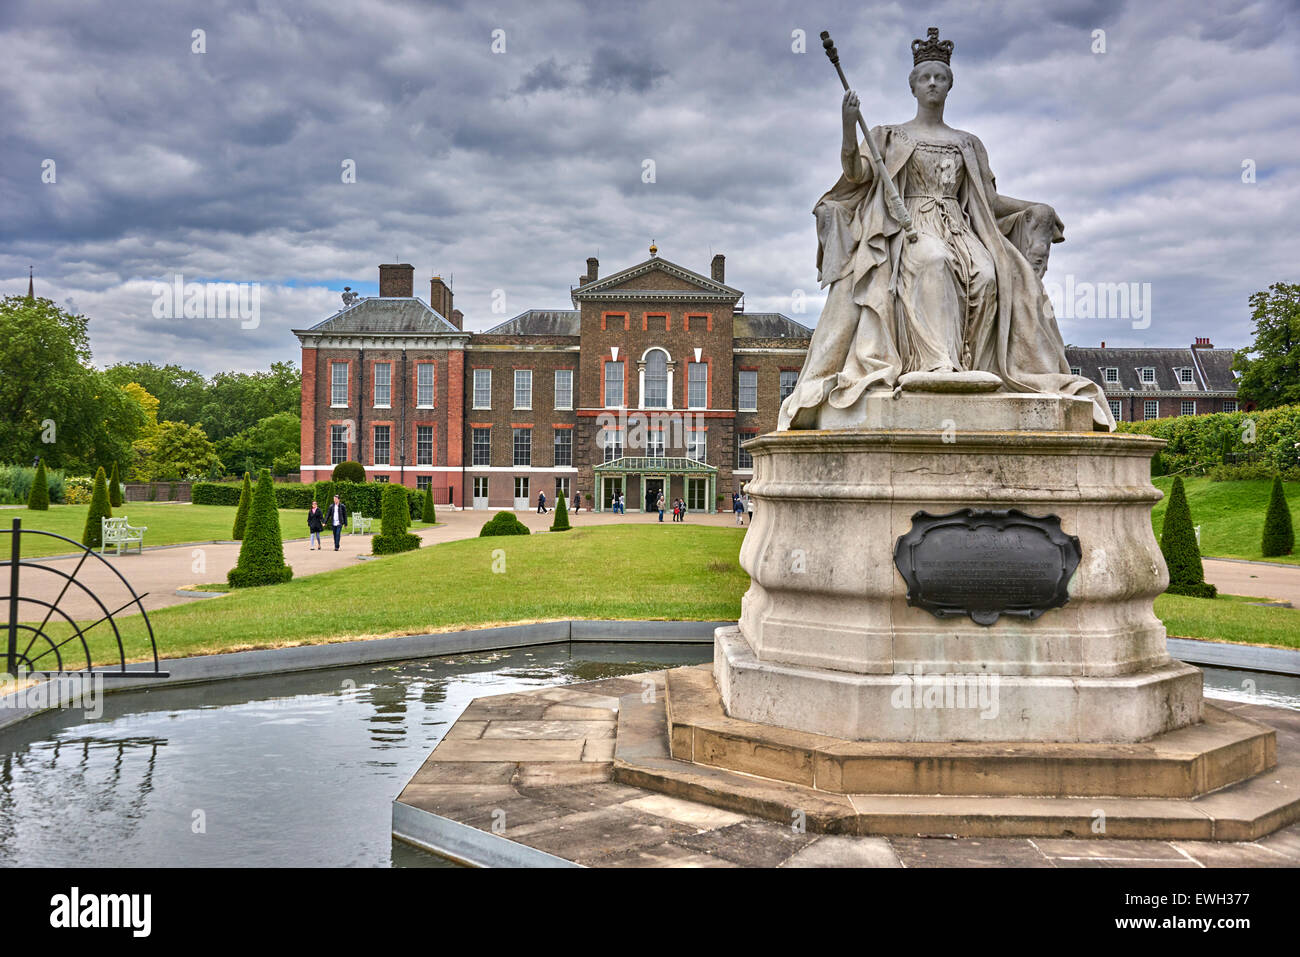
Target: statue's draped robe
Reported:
point(856, 345)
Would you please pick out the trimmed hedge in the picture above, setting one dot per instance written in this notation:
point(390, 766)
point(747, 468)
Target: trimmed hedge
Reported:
point(393, 536)
point(503, 523)
point(92, 536)
point(1198, 443)
point(1182, 554)
point(241, 514)
point(364, 499)
point(349, 472)
point(261, 557)
point(115, 488)
point(561, 521)
point(38, 500)
point(16, 484)
point(429, 513)
point(1279, 534)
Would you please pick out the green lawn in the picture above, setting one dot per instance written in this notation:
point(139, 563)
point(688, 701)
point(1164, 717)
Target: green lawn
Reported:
point(1229, 618)
point(1231, 514)
point(631, 572)
point(167, 524)
point(612, 572)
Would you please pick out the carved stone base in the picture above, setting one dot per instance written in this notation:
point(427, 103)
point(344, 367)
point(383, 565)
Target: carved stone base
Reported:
point(827, 631)
point(971, 706)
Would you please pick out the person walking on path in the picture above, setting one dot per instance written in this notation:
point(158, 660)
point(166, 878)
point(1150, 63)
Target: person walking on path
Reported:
point(659, 504)
point(577, 502)
point(749, 507)
point(541, 503)
point(315, 525)
point(338, 517)
point(737, 508)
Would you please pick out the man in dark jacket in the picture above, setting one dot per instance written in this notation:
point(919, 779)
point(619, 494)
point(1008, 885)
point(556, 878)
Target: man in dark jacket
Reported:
point(337, 518)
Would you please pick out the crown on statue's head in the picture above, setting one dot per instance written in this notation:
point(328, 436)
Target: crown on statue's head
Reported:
point(931, 48)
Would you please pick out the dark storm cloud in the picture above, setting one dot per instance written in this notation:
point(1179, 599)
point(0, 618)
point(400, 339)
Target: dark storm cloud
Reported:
point(505, 170)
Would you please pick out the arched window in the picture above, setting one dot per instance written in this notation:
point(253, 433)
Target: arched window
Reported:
point(656, 380)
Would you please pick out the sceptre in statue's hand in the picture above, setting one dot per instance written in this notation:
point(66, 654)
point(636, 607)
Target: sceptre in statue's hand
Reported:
point(893, 201)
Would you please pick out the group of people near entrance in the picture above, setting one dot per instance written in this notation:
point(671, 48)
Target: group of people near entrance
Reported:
point(575, 507)
point(742, 505)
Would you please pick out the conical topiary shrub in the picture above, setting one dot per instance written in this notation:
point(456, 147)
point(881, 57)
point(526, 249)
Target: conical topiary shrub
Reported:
point(115, 488)
point(430, 513)
point(241, 513)
point(1279, 534)
point(261, 557)
point(93, 534)
point(1182, 554)
point(38, 499)
point(561, 522)
point(393, 536)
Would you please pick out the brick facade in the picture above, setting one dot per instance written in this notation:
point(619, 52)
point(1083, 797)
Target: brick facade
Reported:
point(656, 318)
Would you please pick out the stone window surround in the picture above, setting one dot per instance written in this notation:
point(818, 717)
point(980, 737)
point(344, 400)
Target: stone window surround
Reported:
point(374, 383)
point(555, 385)
point(640, 369)
point(474, 387)
point(433, 384)
point(529, 378)
point(740, 370)
point(347, 383)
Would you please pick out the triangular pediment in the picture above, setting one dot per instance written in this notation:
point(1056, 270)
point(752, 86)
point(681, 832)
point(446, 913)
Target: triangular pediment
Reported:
point(655, 279)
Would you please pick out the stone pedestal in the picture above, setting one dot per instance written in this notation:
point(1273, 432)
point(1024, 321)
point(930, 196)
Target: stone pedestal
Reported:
point(828, 643)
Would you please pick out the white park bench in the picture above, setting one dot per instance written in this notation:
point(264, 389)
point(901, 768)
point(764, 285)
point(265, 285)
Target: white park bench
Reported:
point(362, 525)
point(116, 532)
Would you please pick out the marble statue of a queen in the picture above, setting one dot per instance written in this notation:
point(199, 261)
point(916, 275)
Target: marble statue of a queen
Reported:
point(965, 297)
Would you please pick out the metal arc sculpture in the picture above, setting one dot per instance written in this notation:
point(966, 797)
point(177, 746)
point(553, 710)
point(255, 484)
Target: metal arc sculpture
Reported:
point(44, 652)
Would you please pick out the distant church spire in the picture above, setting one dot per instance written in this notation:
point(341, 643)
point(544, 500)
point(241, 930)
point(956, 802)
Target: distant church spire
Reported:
point(31, 293)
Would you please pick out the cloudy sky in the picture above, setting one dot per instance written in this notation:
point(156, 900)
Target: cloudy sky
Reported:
point(503, 143)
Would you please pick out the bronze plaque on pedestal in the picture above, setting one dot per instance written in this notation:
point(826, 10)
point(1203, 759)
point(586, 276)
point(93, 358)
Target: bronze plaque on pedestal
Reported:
point(986, 564)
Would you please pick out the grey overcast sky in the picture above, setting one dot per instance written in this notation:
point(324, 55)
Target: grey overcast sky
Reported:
point(505, 170)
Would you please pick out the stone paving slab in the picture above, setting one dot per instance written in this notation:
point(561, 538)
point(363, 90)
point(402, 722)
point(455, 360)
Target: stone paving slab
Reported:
point(533, 791)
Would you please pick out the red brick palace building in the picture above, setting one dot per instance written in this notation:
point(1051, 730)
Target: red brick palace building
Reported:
point(650, 384)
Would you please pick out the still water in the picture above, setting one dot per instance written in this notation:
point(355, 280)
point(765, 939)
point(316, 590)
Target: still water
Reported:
point(290, 770)
point(293, 770)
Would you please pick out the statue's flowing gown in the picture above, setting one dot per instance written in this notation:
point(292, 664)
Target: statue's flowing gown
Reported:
point(962, 297)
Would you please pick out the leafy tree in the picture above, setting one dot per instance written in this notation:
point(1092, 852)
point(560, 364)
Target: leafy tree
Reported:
point(349, 472)
point(429, 513)
point(393, 536)
point(176, 450)
point(261, 557)
point(180, 393)
point(1182, 554)
point(38, 500)
point(1279, 534)
point(52, 402)
point(261, 445)
point(241, 512)
point(561, 521)
point(1270, 366)
point(115, 489)
point(92, 536)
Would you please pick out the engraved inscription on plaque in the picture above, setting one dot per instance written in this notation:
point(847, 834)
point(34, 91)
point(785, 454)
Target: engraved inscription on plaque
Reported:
point(986, 564)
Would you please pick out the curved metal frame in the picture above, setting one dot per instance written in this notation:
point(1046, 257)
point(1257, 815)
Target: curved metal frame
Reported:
point(13, 657)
